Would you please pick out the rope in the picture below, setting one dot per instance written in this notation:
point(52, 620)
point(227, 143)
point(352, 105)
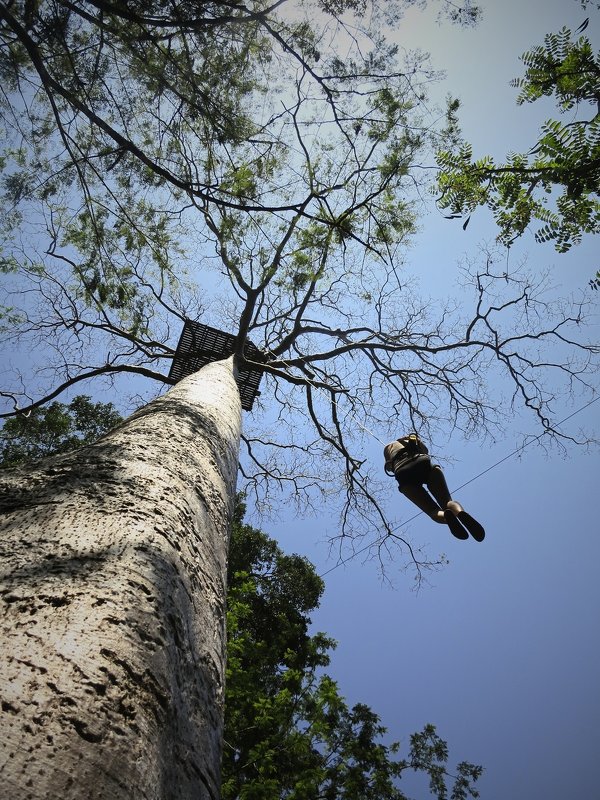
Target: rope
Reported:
point(520, 449)
point(360, 425)
point(380, 539)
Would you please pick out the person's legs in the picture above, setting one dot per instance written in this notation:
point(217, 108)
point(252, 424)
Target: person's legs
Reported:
point(423, 500)
point(436, 483)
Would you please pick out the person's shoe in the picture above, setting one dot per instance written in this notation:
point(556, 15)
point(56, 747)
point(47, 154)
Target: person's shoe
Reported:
point(456, 529)
point(475, 529)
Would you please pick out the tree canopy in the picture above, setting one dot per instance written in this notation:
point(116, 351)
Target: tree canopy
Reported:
point(261, 168)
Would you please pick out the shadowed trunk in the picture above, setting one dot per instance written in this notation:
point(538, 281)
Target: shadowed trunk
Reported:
point(113, 584)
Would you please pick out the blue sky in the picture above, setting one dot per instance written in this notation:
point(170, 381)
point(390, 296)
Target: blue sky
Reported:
point(501, 650)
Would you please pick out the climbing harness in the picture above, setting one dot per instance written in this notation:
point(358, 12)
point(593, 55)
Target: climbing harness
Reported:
point(401, 451)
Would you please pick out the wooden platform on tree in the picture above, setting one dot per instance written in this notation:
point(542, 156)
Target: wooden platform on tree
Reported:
point(200, 345)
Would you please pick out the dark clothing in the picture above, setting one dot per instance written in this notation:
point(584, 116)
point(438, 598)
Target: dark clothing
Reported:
point(413, 470)
point(408, 460)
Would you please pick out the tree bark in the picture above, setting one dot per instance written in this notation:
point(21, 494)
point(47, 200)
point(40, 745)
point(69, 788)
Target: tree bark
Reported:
point(113, 584)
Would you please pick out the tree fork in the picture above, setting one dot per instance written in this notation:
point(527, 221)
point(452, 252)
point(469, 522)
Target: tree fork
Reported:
point(113, 604)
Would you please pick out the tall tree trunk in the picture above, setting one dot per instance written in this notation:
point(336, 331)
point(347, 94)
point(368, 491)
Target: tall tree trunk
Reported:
point(113, 605)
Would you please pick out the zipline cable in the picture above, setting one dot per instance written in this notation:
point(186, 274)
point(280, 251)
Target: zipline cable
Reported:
point(479, 475)
point(520, 449)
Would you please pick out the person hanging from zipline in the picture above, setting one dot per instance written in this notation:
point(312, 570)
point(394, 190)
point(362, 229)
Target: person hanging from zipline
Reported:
point(407, 459)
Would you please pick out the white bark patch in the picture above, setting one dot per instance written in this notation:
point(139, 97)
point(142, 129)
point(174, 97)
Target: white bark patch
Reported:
point(113, 605)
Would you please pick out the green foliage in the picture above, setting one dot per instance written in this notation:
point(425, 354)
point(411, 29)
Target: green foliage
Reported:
point(561, 67)
point(56, 428)
point(465, 14)
point(557, 182)
point(288, 731)
point(336, 7)
point(102, 115)
point(133, 111)
point(138, 137)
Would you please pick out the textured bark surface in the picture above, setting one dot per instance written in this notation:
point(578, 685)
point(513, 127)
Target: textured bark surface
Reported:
point(112, 592)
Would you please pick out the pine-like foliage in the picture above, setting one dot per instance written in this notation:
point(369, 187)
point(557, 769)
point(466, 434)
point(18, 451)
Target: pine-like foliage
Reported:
point(557, 182)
